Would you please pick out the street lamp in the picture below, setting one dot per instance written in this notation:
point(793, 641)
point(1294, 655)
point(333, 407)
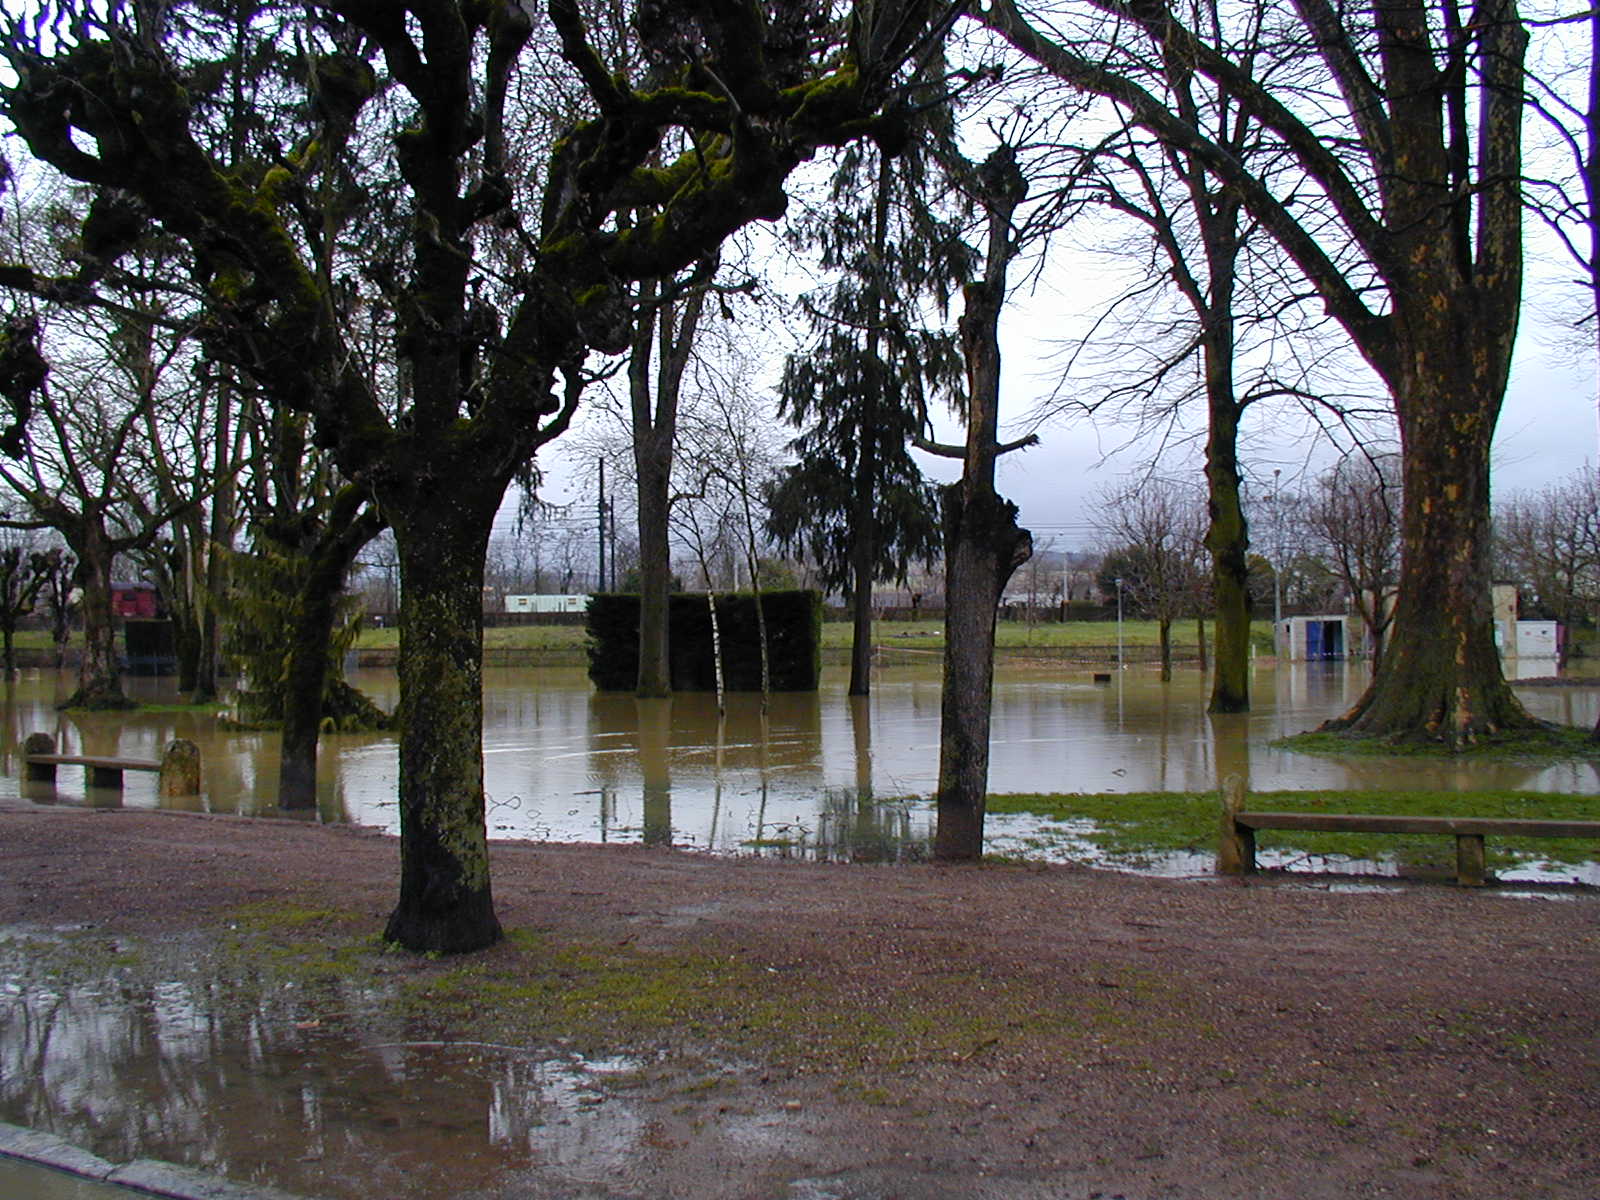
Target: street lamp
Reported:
point(1277, 556)
point(1119, 622)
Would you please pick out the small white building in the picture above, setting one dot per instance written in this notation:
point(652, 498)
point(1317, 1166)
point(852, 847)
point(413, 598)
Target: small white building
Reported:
point(1519, 638)
point(547, 604)
point(1538, 639)
point(1314, 639)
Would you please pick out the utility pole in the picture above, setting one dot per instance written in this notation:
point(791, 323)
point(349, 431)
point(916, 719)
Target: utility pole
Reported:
point(600, 578)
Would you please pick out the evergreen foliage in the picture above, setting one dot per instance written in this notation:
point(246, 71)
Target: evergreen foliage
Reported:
point(794, 641)
point(860, 393)
point(261, 612)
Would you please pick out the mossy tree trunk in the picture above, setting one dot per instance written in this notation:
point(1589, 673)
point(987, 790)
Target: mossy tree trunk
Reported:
point(100, 668)
point(351, 525)
point(445, 900)
point(1228, 540)
point(983, 544)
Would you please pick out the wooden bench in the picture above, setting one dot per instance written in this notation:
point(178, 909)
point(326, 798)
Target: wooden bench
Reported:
point(178, 769)
point(1237, 851)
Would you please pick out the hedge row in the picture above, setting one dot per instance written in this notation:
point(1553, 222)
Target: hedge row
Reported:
point(794, 641)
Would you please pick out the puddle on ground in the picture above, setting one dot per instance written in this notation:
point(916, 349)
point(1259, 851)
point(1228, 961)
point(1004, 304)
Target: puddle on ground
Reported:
point(320, 1091)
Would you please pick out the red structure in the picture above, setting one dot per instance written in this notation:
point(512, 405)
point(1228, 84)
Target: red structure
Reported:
point(136, 599)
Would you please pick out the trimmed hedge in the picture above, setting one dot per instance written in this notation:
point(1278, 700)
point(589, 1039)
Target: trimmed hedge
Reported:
point(794, 641)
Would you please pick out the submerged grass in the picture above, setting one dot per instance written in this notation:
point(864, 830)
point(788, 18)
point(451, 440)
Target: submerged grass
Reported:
point(1562, 742)
point(1127, 829)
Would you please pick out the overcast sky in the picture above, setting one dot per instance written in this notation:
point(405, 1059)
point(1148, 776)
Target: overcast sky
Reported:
point(1548, 430)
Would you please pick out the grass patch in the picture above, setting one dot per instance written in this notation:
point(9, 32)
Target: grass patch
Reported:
point(1129, 828)
point(1558, 742)
point(915, 635)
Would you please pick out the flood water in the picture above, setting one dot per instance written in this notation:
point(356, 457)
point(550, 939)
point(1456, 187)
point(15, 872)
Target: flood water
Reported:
point(565, 763)
point(178, 1052)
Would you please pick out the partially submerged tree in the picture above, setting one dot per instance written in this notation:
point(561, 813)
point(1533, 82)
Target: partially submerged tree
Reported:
point(983, 543)
point(1406, 220)
point(751, 93)
point(1156, 534)
point(860, 392)
point(667, 321)
point(23, 573)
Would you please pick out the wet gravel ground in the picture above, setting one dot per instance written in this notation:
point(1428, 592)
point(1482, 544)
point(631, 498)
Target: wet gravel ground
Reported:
point(951, 1032)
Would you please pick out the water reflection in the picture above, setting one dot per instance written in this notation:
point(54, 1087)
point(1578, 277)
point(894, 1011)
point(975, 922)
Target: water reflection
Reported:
point(563, 762)
point(320, 1090)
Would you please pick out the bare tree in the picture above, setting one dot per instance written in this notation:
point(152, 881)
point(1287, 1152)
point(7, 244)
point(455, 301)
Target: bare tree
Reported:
point(1549, 542)
point(1154, 533)
point(1404, 126)
point(1355, 510)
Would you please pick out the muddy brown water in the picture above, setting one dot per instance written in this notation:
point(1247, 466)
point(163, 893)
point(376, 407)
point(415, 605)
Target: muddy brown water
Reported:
point(814, 772)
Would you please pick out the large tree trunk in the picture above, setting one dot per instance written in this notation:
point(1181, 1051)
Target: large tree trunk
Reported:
point(655, 569)
point(983, 549)
point(1227, 538)
point(99, 670)
point(983, 544)
point(1439, 677)
point(445, 901)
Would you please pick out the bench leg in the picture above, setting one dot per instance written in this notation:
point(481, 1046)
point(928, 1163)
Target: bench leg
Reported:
point(1236, 844)
point(39, 743)
point(1472, 864)
point(106, 777)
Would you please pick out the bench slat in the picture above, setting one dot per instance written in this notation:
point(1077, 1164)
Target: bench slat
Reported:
point(115, 764)
point(1373, 823)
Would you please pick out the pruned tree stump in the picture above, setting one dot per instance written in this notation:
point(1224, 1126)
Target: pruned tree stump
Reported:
point(180, 769)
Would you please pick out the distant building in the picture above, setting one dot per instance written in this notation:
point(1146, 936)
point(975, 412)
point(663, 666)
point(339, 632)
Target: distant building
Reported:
point(547, 604)
point(1517, 638)
point(1315, 638)
point(136, 599)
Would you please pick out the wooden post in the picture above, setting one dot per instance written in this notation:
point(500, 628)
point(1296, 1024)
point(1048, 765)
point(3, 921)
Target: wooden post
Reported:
point(1471, 860)
point(180, 769)
point(1236, 845)
point(39, 743)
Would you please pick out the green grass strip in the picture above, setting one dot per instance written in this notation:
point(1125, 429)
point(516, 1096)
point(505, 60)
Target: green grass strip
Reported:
point(1127, 829)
